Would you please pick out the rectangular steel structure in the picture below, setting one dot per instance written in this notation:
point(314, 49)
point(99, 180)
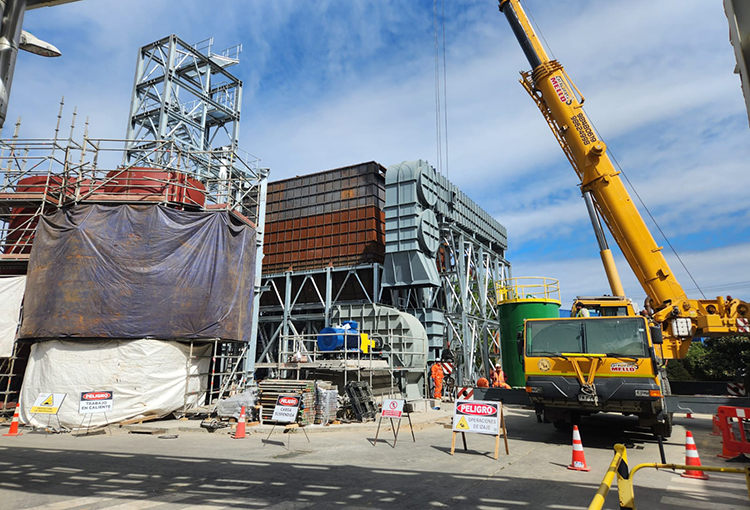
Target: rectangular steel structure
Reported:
point(327, 218)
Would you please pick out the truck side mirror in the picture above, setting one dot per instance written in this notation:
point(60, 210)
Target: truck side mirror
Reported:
point(656, 336)
point(519, 343)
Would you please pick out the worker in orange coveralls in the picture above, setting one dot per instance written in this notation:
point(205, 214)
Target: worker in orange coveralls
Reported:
point(437, 379)
point(482, 382)
point(498, 378)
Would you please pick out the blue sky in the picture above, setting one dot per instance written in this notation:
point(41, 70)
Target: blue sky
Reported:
point(329, 83)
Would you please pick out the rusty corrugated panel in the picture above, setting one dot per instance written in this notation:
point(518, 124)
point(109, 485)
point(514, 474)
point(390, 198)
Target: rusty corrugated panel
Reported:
point(328, 218)
point(343, 238)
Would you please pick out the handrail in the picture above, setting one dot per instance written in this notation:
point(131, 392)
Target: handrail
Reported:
point(619, 467)
point(528, 288)
point(601, 494)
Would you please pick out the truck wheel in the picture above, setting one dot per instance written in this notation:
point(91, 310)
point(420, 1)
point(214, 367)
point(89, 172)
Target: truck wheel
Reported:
point(563, 425)
point(663, 429)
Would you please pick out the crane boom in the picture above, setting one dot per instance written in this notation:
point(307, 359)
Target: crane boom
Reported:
point(562, 106)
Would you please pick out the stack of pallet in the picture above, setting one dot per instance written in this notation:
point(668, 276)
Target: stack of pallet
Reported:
point(360, 398)
point(270, 389)
point(326, 402)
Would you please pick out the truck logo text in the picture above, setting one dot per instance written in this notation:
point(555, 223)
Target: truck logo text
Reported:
point(623, 367)
point(562, 90)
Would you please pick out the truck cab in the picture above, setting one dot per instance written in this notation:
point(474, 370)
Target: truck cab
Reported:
point(581, 366)
point(605, 306)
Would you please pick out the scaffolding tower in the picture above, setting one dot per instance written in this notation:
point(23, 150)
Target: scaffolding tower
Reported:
point(183, 93)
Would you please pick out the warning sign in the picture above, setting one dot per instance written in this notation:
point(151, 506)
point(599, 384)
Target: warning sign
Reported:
point(96, 402)
point(392, 408)
point(477, 416)
point(48, 403)
point(286, 409)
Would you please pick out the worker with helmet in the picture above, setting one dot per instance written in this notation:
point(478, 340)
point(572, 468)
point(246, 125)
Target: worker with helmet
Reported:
point(437, 379)
point(497, 377)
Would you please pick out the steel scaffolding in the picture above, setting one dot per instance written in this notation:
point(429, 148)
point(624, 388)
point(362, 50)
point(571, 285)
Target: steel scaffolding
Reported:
point(183, 93)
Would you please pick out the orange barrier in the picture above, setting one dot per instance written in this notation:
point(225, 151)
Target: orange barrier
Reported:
point(734, 436)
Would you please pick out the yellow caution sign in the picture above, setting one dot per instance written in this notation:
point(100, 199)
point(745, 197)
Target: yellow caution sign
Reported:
point(48, 403)
point(462, 425)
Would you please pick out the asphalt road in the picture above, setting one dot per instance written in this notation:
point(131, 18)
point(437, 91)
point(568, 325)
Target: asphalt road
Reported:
point(342, 469)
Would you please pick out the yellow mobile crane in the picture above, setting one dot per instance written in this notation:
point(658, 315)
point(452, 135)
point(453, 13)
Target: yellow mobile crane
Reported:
point(563, 358)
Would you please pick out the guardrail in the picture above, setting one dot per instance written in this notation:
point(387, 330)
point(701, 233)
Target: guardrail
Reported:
point(528, 288)
point(619, 468)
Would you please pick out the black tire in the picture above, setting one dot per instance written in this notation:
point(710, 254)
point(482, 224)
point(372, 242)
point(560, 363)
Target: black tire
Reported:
point(562, 425)
point(663, 428)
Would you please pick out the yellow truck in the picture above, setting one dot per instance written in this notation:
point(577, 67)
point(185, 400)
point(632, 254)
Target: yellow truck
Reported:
point(583, 365)
point(579, 366)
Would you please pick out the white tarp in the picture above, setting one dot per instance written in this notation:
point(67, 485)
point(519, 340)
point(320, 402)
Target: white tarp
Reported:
point(146, 377)
point(11, 296)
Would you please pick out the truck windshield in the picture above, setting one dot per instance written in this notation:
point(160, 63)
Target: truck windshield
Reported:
point(621, 336)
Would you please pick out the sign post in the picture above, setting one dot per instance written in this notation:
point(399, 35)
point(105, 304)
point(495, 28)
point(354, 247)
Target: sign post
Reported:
point(49, 404)
point(286, 411)
point(479, 417)
point(95, 402)
point(394, 408)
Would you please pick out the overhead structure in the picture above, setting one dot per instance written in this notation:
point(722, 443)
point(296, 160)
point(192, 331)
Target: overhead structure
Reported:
point(183, 93)
point(444, 258)
point(13, 38)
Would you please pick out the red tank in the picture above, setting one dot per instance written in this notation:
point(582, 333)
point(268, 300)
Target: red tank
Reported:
point(175, 187)
point(23, 220)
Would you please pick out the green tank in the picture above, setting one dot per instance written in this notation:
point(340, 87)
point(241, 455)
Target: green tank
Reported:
point(520, 299)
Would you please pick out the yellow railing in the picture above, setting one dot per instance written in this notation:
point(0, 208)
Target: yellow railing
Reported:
point(619, 467)
point(528, 288)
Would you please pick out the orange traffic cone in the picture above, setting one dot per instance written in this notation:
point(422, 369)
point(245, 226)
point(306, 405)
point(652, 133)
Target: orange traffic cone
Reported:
point(14, 424)
point(579, 459)
point(240, 432)
point(689, 416)
point(692, 459)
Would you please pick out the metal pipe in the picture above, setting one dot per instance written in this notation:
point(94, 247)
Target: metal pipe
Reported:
point(527, 45)
point(613, 276)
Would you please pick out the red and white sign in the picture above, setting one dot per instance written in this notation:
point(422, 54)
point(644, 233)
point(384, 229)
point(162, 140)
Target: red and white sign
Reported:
point(286, 410)
point(743, 325)
point(93, 402)
point(480, 417)
point(736, 389)
point(465, 393)
point(392, 408)
point(447, 368)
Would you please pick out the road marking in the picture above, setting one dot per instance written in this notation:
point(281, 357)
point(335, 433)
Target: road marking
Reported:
point(115, 503)
point(290, 505)
point(70, 503)
point(688, 483)
point(695, 503)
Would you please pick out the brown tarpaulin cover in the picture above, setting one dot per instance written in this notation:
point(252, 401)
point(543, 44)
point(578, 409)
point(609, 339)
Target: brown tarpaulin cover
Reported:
point(140, 271)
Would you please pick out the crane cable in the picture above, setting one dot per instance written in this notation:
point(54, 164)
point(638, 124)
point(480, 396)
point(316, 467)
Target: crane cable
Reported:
point(658, 227)
point(441, 104)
